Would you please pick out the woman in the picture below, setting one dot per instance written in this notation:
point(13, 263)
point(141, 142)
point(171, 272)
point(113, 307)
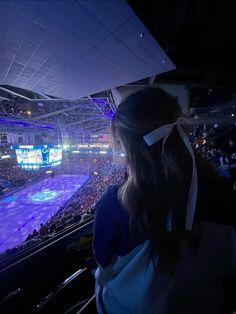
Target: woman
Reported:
point(162, 240)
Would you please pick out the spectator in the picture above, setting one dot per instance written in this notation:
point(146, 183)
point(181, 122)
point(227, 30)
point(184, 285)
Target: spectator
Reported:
point(35, 234)
point(231, 143)
point(43, 231)
point(161, 244)
point(29, 237)
point(76, 218)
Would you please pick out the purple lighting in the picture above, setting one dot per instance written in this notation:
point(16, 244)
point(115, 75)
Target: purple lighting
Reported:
point(23, 212)
point(110, 114)
point(25, 124)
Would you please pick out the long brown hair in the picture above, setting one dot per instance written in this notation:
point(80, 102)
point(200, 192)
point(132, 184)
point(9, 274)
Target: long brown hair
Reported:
point(150, 193)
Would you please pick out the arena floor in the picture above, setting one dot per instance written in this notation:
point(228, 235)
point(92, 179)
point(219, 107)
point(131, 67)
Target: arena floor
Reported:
point(23, 212)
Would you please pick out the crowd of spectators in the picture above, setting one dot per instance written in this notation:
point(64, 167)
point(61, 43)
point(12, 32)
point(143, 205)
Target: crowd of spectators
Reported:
point(218, 147)
point(101, 173)
point(13, 177)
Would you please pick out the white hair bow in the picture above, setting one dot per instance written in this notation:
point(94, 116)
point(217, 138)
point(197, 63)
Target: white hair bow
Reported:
point(163, 132)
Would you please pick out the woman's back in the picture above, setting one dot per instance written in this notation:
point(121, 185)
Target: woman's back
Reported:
point(164, 240)
point(131, 283)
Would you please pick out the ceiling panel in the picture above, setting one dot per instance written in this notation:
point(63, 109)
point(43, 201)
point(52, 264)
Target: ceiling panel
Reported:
point(71, 49)
point(121, 54)
point(111, 14)
point(136, 37)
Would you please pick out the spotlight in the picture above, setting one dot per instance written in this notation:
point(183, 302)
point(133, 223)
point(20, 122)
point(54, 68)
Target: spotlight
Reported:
point(209, 91)
point(28, 112)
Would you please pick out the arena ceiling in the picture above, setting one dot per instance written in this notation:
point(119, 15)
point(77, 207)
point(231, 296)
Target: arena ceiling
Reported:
point(198, 37)
point(73, 54)
point(67, 50)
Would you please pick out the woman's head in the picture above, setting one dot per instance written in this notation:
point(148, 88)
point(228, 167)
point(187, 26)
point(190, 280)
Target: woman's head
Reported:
point(157, 187)
point(141, 112)
point(136, 116)
point(150, 192)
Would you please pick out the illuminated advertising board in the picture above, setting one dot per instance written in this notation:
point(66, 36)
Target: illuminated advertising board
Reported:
point(36, 157)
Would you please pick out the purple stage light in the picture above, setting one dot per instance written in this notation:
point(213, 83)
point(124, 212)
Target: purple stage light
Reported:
point(110, 114)
point(101, 101)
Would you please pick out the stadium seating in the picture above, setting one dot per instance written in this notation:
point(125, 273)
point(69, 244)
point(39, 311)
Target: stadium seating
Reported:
point(48, 271)
point(65, 297)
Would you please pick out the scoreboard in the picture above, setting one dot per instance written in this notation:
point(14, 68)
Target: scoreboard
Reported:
point(31, 157)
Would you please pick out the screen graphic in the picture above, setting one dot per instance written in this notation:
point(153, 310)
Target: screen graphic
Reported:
point(36, 157)
point(55, 154)
point(29, 156)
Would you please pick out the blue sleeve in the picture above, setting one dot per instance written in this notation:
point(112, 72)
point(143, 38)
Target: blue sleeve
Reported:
point(112, 235)
point(106, 227)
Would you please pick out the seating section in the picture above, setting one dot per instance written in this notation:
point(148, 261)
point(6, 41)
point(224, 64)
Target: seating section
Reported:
point(57, 278)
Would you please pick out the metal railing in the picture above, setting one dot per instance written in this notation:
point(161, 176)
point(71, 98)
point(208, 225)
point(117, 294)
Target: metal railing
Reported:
point(86, 305)
point(62, 286)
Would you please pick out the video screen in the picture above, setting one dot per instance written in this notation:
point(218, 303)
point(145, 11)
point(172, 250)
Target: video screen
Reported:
point(55, 154)
point(29, 156)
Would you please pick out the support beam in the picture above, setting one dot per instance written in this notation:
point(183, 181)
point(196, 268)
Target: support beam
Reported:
point(116, 95)
point(95, 125)
point(85, 120)
point(98, 129)
point(95, 105)
point(152, 79)
point(50, 114)
point(56, 100)
point(212, 120)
